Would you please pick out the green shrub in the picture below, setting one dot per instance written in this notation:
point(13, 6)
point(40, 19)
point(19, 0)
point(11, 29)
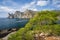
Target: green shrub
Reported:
point(44, 21)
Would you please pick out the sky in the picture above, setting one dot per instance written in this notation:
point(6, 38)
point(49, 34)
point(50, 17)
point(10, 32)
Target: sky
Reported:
point(10, 6)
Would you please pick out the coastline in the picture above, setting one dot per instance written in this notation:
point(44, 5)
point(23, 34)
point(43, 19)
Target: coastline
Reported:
point(4, 33)
point(6, 37)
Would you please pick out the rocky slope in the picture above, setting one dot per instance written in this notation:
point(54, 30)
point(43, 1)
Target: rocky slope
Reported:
point(26, 14)
point(42, 26)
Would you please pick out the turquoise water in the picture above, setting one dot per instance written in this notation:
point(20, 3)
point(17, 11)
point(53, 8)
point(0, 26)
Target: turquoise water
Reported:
point(12, 23)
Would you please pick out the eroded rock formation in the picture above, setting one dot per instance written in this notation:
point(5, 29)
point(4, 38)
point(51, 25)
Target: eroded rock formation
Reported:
point(25, 14)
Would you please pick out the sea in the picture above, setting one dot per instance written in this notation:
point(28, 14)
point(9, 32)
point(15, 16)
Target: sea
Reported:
point(6, 23)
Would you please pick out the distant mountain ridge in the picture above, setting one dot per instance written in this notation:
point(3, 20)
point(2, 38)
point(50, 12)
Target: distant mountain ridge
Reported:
point(26, 14)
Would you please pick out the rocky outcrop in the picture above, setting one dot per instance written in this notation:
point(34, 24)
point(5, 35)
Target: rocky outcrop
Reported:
point(5, 32)
point(6, 37)
point(10, 15)
point(18, 14)
point(25, 14)
point(43, 36)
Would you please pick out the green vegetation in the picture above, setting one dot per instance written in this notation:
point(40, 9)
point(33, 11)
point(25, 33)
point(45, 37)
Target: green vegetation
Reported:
point(44, 21)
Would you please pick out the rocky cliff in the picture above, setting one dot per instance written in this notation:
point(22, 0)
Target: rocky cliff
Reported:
point(10, 15)
point(25, 14)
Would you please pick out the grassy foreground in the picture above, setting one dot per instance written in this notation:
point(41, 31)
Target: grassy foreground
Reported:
point(43, 22)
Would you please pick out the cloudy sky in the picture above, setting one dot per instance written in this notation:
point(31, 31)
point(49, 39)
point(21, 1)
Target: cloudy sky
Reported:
point(21, 5)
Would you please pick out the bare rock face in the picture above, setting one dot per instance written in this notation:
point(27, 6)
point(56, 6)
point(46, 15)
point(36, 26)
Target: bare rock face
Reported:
point(28, 14)
point(10, 15)
point(25, 14)
point(43, 36)
point(17, 14)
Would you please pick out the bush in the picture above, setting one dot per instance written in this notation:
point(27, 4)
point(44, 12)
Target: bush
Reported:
point(44, 21)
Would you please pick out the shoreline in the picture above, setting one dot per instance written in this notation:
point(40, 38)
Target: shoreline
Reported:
point(4, 33)
point(6, 37)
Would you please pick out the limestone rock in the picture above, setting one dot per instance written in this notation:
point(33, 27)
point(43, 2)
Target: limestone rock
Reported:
point(25, 14)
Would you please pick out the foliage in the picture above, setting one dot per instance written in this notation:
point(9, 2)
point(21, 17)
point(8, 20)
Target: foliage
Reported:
point(44, 21)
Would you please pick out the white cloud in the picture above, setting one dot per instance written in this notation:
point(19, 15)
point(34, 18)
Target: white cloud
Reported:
point(15, 6)
point(10, 2)
point(47, 9)
point(42, 3)
point(26, 6)
point(18, 7)
point(11, 9)
point(32, 3)
point(56, 3)
point(58, 6)
point(34, 9)
point(6, 9)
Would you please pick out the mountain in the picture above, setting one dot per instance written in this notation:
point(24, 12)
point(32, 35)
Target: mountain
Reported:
point(26, 14)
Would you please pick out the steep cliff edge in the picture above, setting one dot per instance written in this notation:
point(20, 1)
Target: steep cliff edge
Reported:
point(25, 14)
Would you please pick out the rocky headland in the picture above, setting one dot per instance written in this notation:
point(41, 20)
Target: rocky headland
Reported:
point(4, 34)
point(26, 14)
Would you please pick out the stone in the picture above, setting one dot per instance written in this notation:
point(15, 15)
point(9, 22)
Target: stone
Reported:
point(25, 14)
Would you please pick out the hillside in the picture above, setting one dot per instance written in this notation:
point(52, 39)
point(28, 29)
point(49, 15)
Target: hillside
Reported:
point(43, 24)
